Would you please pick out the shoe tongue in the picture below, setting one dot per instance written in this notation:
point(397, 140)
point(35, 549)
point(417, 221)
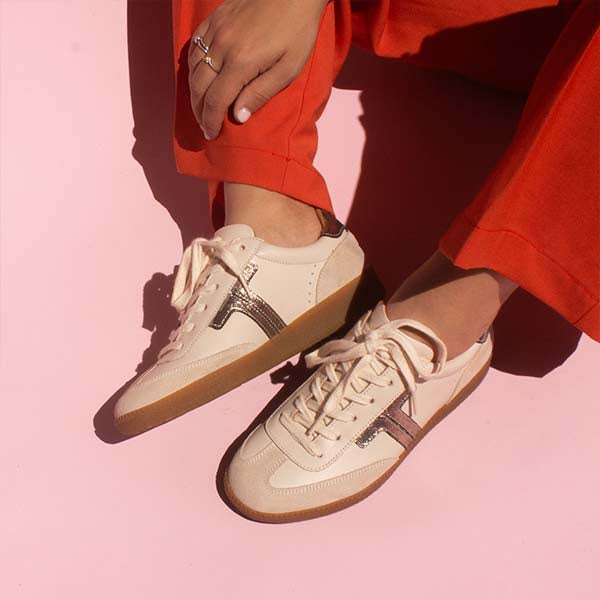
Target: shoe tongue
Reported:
point(229, 233)
point(425, 351)
point(379, 317)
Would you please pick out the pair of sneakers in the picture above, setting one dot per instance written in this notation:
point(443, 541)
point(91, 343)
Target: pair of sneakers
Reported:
point(245, 306)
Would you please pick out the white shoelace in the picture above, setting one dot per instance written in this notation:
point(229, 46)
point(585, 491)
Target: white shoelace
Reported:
point(190, 284)
point(350, 365)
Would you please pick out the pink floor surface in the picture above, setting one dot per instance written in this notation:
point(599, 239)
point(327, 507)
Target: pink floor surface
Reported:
point(499, 502)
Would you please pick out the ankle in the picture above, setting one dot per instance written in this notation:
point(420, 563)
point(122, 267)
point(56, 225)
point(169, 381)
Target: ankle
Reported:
point(457, 305)
point(274, 217)
point(458, 331)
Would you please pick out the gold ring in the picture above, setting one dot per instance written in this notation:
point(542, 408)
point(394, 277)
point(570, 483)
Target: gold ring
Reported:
point(209, 61)
point(199, 41)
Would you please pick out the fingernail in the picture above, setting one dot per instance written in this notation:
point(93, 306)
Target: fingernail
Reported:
point(243, 115)
point(206, 136)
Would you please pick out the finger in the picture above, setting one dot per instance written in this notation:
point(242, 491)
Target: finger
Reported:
point(203, 30)
point(200, 75)
point(200, 78)
point(200, 81)
point(219, 97)
point(261, 89)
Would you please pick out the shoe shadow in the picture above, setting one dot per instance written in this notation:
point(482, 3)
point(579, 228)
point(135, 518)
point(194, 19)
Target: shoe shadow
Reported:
point(149, 34)
point(160, 318)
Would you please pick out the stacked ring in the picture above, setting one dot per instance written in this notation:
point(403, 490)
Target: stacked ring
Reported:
point(201, 44)
point(199, 41)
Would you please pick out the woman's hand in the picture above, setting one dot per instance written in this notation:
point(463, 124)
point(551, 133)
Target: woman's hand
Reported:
point(259, 47)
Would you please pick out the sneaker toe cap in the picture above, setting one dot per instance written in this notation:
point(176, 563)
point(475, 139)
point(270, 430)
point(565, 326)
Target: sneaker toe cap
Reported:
point(264, 484)
point(167, 378)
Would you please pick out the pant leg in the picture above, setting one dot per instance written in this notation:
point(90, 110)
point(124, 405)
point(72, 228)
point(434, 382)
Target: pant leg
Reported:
point(502, 44)
point(276, 147)
point(537, 218)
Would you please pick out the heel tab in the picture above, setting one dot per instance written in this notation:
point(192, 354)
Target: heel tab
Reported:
point(330, 226)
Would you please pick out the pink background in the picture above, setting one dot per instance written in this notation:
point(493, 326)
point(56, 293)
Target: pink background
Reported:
point(501, 501)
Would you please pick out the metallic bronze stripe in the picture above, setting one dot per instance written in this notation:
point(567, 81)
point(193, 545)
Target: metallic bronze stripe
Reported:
point(383, 423)
point(396, 413)
point(396, 431)
point(251, 305)
point(395, 422)
point(370, 433)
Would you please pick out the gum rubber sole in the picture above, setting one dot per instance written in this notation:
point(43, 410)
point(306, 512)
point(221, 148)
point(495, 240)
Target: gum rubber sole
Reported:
point(326, 509)
point(314, 325)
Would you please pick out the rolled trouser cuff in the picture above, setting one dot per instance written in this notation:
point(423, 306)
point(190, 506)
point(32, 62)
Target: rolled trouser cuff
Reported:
point(254, 166)
point(470, 246)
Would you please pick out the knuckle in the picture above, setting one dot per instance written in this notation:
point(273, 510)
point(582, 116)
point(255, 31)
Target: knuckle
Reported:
point(238, 56)
point(224, 38)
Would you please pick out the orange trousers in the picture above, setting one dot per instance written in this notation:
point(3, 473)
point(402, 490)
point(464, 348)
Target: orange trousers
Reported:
point(536, 220)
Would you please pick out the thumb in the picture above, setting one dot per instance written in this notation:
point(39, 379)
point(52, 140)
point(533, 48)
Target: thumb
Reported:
point(261, 89)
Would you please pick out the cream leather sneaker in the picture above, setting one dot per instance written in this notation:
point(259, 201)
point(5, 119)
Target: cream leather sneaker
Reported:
point(376, 393)
point(244, 307)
